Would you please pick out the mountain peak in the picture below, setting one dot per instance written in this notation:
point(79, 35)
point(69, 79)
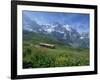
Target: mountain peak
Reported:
point(68, 28)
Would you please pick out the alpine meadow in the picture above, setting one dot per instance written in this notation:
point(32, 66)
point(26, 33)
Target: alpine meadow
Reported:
point(55, 39)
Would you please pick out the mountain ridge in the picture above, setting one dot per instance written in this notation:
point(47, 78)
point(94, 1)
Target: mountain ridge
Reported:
point(64, 33)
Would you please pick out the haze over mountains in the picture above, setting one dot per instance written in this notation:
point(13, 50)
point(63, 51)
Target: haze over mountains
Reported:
point(61, 32)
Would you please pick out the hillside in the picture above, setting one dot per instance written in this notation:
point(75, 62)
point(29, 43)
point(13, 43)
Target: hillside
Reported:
point(63, 55)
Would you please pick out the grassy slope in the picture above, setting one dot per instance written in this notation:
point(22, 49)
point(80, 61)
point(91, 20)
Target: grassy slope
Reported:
point(62, 55)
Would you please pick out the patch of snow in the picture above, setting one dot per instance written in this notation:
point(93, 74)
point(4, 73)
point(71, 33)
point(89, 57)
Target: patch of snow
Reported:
point(53, 26)
point(68, 28)
point(49, 30)
point(64, 36)
point(81, 37)
point(40, 29)
point(62, 32)
point(28, 28)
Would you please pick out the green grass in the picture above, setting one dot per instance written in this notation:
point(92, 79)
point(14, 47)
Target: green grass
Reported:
point(40, 57)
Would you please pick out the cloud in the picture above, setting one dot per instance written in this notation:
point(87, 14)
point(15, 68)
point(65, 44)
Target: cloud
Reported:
point(77, 20)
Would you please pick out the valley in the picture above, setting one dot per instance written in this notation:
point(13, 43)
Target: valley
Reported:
point(41, 57)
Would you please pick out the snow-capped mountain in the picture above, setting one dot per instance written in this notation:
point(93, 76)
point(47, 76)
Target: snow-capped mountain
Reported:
point(64, 33)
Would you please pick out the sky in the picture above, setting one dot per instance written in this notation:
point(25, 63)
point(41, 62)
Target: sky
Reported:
point(79, 21)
